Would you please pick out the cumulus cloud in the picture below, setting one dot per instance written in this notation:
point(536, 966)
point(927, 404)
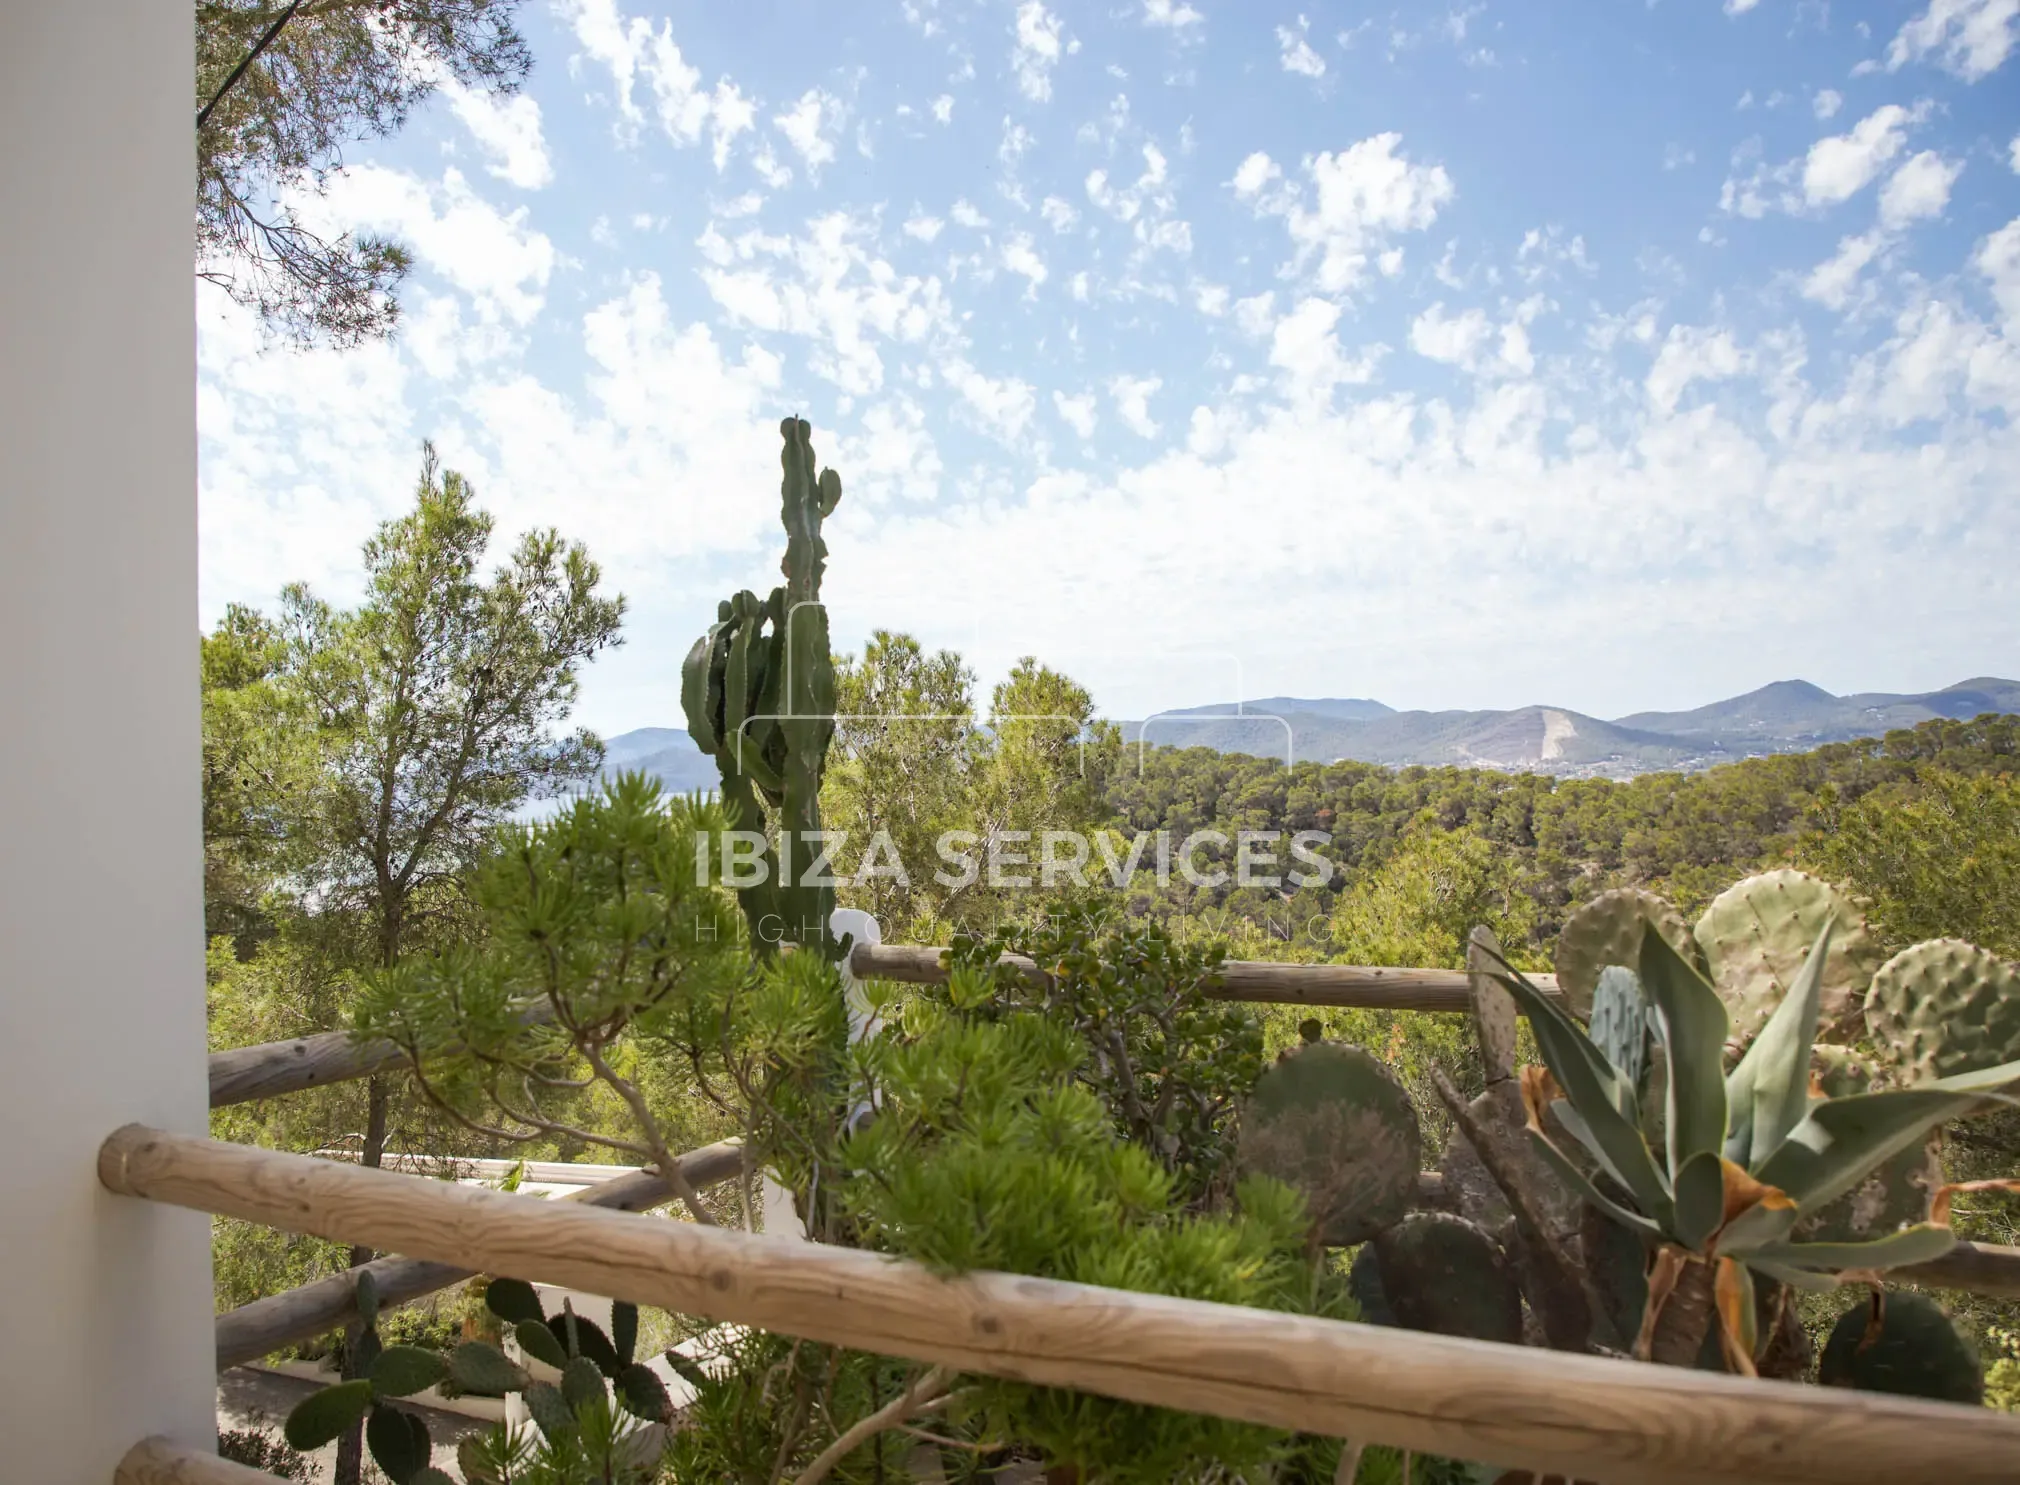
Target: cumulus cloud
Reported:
point(1296, 52)
point(943, 107)
point(810, 127)
point(633, 52)
point(1691, 354)
point(1305, 347)
point(1832, 282)
point(1076, 411)
point(1059, 214)
point(1840, 166)
point(1971, 38)
point(1348, 205)
point(1919, 189)
point(1131, 395)
point(1827, 103)
point(1021, 258)
point(507, 129)
point(1173, 15)
point(1039, 45)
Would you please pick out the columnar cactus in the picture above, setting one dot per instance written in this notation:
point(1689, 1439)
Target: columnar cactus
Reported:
point(1619, 1023)
point(758, 690)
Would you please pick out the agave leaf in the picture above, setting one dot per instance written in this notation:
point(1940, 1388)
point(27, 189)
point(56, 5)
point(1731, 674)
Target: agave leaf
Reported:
point(1772, 1080)
point(1693, 1024)
point(1795, 1278)
point(1700, 1200)
point(1755, 1228)
point(1738, 1330)
point(1595, 1089)
point(1842, 1140)
point(1573, 1177)
point(1918, 1244)
point(1985, 1080)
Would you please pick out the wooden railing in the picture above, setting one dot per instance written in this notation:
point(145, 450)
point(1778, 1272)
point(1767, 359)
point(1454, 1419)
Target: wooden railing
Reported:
point(1600, 1419)
point(1584, 1416)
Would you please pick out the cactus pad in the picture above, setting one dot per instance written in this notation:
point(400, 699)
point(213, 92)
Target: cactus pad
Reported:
point(1442, 1274)
point(1364, 1282)
point(1619, 1023)
point(1946, 1007)
point(1607, 930)
point(1756, 936)
point(1891, 1197)
point(1909, 1347)
point(1331, 1121)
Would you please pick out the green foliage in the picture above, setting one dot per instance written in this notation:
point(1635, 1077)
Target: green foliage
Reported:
point(274, 132)
point(1903, 1343)
point(1169, 1062)
point(260, 1450)
point(758, 690)
point(1418, 907)
point(321, 1416)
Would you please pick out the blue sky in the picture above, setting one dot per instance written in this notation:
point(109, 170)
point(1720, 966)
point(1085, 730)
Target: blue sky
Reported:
point(1598, 354)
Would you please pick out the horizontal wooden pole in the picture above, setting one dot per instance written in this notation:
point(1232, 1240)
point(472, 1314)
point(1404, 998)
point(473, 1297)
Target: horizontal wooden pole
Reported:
point(1981, 1268)
point(264, 1326)
point(271, 1069)
point(1585, 1416)
point(159, 1461)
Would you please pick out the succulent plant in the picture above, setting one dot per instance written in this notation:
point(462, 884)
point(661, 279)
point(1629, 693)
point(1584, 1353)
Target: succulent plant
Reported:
point(578, 1348)
point(1756, 938)
point(1902, 1343)
point(1744, 1157)
point(1619, 1021)
point(758, 690)
point(1946, 1007)
point(1441, 1273)
point(1606, 931)
point(1330, 1120)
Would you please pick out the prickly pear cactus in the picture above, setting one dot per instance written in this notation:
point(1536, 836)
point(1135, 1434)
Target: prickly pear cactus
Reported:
point(1619, 1024)
point(1331, 1121)
point(1756, 936)
point(1903, 1343)
point(1442, 1274)
point(1895, 1195)
point(758, 691)
point(1608, 930)
point(1946, 1007)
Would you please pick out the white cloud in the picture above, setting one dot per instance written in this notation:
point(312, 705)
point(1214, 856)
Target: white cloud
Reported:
point(1059, 214)
point(1131, 395)
point(965, 214)
point(1832, 282)
point(1358, 197)
point(1827, 103)
point(1739, 7)
point(1037, 51)
point(1305, 347)
point(1998, 259)
point(2013, 154)
point(1255, 315)
point(1174, 15)
point(1691, 354)
point(1970, 38)
point(632, 50)
point(809, 126)
point(1255, 172)
point(1919, 189)
point(1021, 258)
point(943, 107)
point(507, 129)
point(1210, 299)
point(923, 227)
point(1840, 166)
point(1472, 341)
point(1297, 54)
point(1078, 412)
point(493, 256)
point(1002, 406)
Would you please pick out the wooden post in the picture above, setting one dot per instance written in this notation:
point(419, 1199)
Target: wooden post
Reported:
point(1583, 1416)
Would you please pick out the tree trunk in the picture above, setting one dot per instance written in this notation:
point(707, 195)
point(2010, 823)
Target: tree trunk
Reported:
point(350, 1444)
point(1686, 1317)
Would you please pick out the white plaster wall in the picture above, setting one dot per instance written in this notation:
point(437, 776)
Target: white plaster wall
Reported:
point(108, 1312)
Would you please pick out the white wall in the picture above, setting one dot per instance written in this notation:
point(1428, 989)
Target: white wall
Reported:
point(108, 1309)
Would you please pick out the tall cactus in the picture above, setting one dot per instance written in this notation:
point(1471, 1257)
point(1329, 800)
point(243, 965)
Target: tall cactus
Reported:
point(759, 693)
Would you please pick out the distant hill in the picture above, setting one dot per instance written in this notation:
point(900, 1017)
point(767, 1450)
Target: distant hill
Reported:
point(1787, 716)
point(666, 753)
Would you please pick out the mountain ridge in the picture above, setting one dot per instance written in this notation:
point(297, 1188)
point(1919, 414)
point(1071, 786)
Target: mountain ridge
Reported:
point(1782, 716)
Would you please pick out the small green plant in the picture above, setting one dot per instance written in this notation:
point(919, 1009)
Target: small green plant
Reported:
point(582, 1437)
point(256, 1447)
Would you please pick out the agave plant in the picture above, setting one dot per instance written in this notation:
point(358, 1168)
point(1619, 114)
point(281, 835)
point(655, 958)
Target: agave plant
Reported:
point(1744, 1156)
